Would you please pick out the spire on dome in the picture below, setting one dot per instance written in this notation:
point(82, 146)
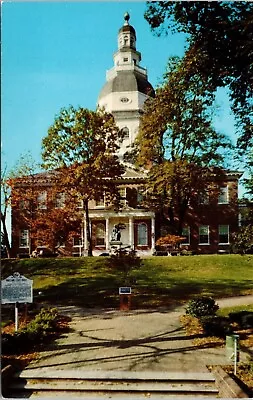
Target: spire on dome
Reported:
point(126, 18)
point(127, 35)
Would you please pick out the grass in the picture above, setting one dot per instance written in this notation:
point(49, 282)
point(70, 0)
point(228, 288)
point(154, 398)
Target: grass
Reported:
point(160, 281)
point(226, 310)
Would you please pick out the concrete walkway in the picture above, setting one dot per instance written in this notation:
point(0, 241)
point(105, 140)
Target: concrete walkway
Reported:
point(138, 340)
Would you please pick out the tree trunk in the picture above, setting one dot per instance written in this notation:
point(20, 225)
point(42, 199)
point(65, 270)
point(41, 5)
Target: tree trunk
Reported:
point(5, 235)
point(183, 208)
point(88, 233)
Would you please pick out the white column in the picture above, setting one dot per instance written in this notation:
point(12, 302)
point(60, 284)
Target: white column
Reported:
point(153, 233)
point(107, 233)
point(131, 236)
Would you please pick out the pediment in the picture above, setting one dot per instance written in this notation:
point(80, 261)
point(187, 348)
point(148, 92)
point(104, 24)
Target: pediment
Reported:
point(132, 173)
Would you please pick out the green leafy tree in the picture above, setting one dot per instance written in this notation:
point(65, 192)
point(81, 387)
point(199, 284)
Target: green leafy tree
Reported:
point(248, 182)
point(243, 240)
point(180, 145)
point(220, 48)
point(82, 146)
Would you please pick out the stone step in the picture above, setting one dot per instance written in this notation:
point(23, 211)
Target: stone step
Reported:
point(116, 384)
point(106, 396)
point(35, 373)
point(111, 386)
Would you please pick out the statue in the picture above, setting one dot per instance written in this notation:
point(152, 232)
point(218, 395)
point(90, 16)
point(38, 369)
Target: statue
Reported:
point(115, 235)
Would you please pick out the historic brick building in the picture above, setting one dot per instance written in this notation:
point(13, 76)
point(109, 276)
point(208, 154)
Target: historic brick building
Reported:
point(211, 220)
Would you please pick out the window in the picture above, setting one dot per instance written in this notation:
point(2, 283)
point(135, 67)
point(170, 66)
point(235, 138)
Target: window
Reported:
point(204, 234)
point(124, 100)
point(100, 202)
point(239, 220)
point(124, 134)
point(77, 241)
point(24, 238)
point(100, 234)
point(223, 234)
point(204, 197)
point(61, 243)
point(142, 234)
point(186, 235)
point(79, 203)
point(60, 200)
point(140, 195)
point(125, 59)
point(42, 200)
point(122, 195)
point(223, 195)
point(24, 204)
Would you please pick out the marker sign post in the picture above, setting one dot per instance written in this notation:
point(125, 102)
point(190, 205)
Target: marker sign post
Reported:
point(17, 289)
point(125, 297)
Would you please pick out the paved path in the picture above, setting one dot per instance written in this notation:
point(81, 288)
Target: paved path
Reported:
point(138, 340)
point(235, 301)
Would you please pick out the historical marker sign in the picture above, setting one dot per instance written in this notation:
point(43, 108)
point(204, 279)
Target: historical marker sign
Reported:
point(17, 289)
point(125, 290)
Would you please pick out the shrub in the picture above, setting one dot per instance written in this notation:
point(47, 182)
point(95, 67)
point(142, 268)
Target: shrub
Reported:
point(45, 321)
point(216, 326)
point(185, 252)
point(34, 333)
point(243, 318)
point(8, 343)
point(124, 260)
point(202, 306)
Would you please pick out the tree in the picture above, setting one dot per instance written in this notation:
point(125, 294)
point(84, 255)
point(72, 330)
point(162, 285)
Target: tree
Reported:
point(220, 49)
point(243, 240)
point(25, 166)
point(178, 140)
point(248, 181)
point(170, 240)
point(40, 206)
point(5, 203)
point(81, 146)
point(57, 227)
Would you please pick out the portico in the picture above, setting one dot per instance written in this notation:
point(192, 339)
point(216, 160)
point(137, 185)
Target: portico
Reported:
point(137, 230)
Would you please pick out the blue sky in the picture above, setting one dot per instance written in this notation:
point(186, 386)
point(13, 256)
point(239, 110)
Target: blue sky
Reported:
point(55, 54)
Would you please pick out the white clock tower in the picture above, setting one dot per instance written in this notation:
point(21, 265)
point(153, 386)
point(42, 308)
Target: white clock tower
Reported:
point(126, 87)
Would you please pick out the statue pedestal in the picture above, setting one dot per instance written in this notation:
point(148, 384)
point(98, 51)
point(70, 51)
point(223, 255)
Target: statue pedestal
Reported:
point(115, 243)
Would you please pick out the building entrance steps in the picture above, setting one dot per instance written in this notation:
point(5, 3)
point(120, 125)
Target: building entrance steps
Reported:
point(113, 384)
point(128, 352)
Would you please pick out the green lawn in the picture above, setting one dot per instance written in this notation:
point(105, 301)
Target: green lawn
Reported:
point(227, 310)
point(160, 281)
